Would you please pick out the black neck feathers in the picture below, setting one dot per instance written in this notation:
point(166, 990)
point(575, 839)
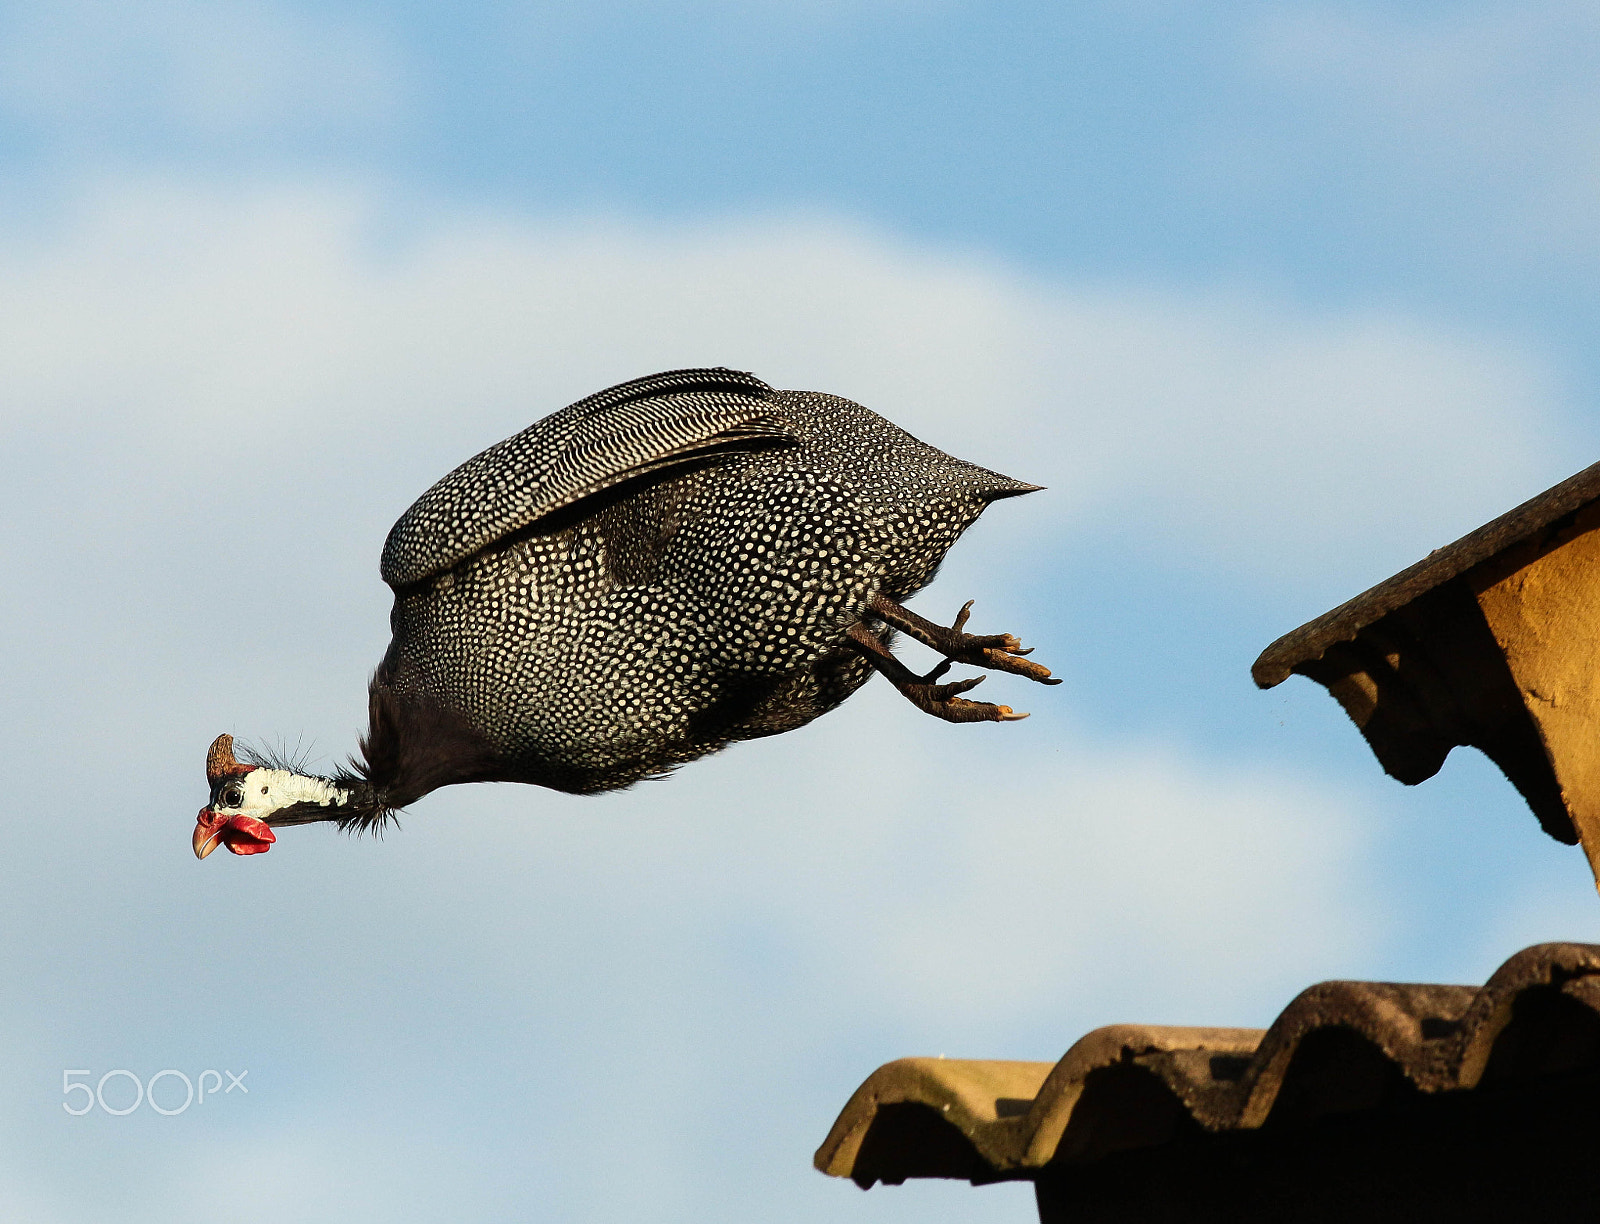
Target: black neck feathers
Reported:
point(415, 745)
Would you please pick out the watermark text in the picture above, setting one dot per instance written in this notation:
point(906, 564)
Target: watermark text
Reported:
point(119, 1092)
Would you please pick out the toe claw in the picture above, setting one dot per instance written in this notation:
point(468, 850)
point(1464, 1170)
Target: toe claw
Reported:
point(946, 691)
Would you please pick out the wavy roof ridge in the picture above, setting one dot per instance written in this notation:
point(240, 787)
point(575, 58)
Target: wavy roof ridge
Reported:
point(1338, 1047)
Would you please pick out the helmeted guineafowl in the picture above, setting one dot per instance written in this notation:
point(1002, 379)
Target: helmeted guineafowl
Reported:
point(637, 580)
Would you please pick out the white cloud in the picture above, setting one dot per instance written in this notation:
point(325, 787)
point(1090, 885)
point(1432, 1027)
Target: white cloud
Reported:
point(695, 972)
point(1227, 429)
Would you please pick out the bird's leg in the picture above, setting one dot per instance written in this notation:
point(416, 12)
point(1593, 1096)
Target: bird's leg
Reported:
point(940, 700)
point(998, 651)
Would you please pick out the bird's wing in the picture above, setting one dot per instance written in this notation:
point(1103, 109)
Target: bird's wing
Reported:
point(649, 427)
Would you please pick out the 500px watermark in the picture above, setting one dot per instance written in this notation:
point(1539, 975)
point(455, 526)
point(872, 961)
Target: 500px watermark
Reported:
point(208, 1082)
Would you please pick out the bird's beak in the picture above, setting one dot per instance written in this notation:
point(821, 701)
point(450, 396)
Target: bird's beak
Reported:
point(241, 834)
point(207, 833)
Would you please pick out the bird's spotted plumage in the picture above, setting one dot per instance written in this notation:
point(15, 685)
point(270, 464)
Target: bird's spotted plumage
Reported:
point(654, 572)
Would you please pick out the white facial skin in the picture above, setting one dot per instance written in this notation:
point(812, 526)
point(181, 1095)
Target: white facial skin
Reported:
point(265, 791)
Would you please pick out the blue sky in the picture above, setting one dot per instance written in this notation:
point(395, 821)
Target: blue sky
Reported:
point(1273, 297)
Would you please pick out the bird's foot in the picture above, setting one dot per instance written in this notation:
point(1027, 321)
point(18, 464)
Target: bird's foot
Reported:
point(941, 700)
point(995, 651)
point(944, 700)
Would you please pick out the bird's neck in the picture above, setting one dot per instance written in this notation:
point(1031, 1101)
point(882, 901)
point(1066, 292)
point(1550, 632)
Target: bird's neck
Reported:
point(414, 745)
point(346, 798)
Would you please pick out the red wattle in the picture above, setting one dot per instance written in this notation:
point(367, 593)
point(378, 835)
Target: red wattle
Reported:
point(247, 835)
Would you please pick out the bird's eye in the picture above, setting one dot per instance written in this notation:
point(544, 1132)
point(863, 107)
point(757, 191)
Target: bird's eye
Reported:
point(233, 796)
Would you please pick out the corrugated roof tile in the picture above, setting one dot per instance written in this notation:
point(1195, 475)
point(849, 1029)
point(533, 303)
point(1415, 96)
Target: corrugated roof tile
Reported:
point(1340, 1048)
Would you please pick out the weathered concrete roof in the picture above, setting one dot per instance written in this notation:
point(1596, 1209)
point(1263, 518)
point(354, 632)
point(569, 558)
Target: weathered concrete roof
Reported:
point(1280, 659)
point(1340, 1048)
point(1492, 642)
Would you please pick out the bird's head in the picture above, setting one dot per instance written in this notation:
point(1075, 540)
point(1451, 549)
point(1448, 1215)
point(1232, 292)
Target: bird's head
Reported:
point(249, 797)
point(240, 801)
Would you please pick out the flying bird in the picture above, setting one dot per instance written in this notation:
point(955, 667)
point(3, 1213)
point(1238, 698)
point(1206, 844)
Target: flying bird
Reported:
point(639, 579)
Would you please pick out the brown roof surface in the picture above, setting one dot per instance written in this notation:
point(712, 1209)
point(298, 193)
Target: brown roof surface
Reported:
point(1338, 1049)
point(1312, 639)
point(1492, 643)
